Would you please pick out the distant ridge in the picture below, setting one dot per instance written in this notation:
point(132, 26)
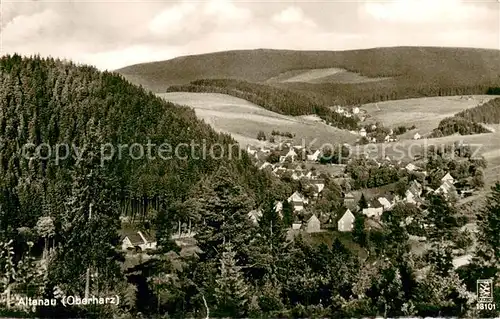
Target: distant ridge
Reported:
point(413, 71)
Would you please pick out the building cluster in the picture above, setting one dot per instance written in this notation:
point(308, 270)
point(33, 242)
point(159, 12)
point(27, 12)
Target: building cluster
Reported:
point(312, 221)
point(349, 112)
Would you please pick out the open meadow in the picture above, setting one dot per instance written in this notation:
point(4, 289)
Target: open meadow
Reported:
point(424, 113)
point(326, 75)
point(243, 120)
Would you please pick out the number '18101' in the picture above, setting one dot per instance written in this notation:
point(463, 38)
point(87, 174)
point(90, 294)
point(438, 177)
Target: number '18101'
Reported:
point(486, 306)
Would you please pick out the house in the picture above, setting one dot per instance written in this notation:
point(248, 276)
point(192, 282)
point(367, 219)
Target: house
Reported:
point(349, 199)
point(266, 151)
point(251, 150)
point(373, 211)
point(298, 206)
point(462, 261)
point(296, 176)
point(355, 110)
point(314, 156)
point(415, 188)
point(264, 165)
point(448, 178)
point(346, 222)
point(408, 220)
point(362, 132)
point(416, 136)
point(410, 197)
point(291, 154)
point(138, 241)
point(296, 225)
point(387, 138)
point(446, 189)
point(386, 204)
point(319, 183)
point(298, 201)
point(411, 167)
point(470, 227)
point(339, 109)
point(297, 197)
point(313, 224)
point(255, 216)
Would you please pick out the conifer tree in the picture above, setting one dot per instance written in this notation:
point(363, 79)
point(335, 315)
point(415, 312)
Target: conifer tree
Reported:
point(231, 291)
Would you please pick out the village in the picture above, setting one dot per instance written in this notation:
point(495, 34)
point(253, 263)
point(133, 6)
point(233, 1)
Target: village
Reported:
point(311, 174)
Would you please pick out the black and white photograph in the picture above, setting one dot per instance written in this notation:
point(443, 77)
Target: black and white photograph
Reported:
point(249, 159)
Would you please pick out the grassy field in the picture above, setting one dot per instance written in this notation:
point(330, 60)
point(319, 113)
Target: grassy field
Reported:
point(424, 113)
point(326, 75)
point(243, 120)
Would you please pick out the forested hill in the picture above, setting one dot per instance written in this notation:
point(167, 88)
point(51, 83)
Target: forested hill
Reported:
point(54, 102)
point(409, 71)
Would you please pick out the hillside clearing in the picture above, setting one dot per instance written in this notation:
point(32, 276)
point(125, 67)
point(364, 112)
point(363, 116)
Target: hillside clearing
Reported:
point(326, 75)
point(424, 113)
point(243, 120)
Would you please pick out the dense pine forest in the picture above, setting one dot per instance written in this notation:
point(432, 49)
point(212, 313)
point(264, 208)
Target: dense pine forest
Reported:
point(458, 125)
point(488, 112)
point(274, 99)
point(468, 121)
point(409, 72)
point(59, 219)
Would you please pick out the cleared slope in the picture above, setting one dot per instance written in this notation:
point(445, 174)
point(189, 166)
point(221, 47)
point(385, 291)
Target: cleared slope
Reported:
point(243, 120)
point(327, 75)
point(424, 113)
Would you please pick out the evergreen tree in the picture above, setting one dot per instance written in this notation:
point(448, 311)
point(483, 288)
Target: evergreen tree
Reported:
point(363, 203)
point(488, 218)
point(231, 291)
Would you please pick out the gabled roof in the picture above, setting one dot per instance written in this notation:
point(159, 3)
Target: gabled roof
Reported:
point(313, 218)
point(384, 202)
point(255, 215)
point(447, 177)
point(375, 204)
point(349, 195)
point(296, 197)
point(134, 238)
point(347, 215)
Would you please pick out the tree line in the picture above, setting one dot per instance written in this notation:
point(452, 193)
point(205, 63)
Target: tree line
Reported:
point(488, 112)
point(272, 98)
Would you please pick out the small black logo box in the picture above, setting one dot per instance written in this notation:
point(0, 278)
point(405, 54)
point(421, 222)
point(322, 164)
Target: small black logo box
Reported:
point(485, 289)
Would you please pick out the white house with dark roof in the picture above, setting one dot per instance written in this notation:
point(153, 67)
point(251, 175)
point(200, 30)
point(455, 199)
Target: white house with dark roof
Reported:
point(138, 240)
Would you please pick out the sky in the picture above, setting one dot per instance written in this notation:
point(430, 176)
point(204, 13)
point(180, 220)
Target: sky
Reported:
point(111, 34)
